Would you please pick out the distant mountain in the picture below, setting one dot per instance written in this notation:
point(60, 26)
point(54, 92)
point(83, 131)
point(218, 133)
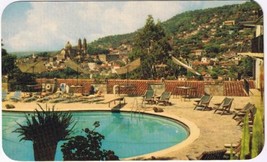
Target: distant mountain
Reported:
point(29, 53)
point(23, 54)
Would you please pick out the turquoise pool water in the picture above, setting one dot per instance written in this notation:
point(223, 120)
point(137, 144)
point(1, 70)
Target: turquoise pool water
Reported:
point(127, 134)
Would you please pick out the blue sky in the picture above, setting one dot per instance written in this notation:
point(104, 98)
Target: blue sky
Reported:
point(46, 26)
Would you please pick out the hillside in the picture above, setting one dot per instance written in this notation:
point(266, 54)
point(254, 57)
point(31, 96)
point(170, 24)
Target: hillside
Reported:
point(200, 29)
point(206, 40)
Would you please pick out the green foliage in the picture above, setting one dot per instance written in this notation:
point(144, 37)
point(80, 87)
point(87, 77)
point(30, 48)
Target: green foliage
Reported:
point(258, 135)
point(96, 50)
point(247, 66)
point(214, 75)
point(39, 124)
point(45, 129)
point(152, 46)
point(212, 50)
point(112, 41)
point(87, 147)
point(231, 153)
point(245, 143)
point(65, 73)
point(8, 63)
point(19, 80)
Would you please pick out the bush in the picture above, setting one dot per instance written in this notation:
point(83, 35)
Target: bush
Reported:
point(87, 147)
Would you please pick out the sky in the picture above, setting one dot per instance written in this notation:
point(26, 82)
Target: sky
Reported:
point(47, 26)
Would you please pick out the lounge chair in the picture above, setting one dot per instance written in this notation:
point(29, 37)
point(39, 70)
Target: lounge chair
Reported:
point(149, 96)
point(30, 99)
point(233, 149)
point(204, 102)
point(60, 98)
point(16, 97)
point(164, 98)
point(210, 155)
point(224, 106)
point(251, 113)
point(93, 98)
point(240, 112)
point(44, 99)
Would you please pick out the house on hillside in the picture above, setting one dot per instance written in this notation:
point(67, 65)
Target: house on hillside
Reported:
point(229, 23)
point(198, 52)
point(205, 60)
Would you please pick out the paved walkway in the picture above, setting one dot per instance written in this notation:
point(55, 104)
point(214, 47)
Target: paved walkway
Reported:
point(214, 129)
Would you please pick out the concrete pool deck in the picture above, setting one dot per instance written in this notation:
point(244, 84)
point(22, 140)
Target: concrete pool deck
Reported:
point(209, 131)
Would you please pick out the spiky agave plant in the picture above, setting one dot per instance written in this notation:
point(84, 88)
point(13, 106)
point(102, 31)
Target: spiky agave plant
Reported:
point(45, 128)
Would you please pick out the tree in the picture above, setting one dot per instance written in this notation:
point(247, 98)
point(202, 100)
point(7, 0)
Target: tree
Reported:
point(84, 44)
point(45, 129)
point(152, 46)
point(79, 43)
point(87, 147)
point(245, 143)
point(247, 66)
point(257, 135)
point(8, 62)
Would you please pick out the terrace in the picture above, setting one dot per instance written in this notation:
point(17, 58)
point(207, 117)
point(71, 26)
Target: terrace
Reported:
point(211, 131)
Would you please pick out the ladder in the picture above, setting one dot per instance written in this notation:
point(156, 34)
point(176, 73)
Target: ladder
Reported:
point(136, 107)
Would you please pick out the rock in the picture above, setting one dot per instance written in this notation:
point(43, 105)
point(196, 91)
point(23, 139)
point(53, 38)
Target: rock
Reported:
point(10, 106)
point(157, 109)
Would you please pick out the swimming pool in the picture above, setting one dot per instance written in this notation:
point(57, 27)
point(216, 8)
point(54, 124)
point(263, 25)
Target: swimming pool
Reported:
point(127, 134)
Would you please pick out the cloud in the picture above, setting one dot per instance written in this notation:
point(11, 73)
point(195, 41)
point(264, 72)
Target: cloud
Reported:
point(49, 25)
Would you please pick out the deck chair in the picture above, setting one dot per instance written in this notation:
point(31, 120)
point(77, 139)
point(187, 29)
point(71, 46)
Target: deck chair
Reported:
point(164, 98)
point(204, 102)
point(240, 112)
point(210, 155)
point(148, 96)
point(233, 149)
point(17, 96)
point(251, 114)
point(30, 99)
point(224, 106)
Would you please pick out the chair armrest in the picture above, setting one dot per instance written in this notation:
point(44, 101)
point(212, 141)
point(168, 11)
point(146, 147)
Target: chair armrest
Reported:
point(228, 145)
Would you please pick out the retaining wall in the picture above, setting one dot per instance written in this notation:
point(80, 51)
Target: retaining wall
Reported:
point(138, 87)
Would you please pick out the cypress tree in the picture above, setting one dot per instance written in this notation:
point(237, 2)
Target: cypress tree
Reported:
point(245, 144)
point(257, 136)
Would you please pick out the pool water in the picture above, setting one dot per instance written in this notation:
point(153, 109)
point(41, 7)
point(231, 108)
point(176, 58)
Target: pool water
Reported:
point(127, 134)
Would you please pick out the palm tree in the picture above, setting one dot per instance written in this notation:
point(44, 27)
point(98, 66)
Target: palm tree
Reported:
point(45, 129)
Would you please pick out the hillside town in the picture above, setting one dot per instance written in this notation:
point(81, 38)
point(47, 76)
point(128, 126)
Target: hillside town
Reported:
point(244, 36)
point(188, 88)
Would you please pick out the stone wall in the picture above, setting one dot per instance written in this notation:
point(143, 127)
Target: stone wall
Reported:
point(215, 90)
point(138, 87)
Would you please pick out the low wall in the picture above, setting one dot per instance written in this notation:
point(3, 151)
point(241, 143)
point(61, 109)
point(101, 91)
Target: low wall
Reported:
point(138, 87)
point(214, 89)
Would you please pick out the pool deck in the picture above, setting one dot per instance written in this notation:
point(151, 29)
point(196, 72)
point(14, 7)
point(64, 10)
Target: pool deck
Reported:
point(209, 131)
